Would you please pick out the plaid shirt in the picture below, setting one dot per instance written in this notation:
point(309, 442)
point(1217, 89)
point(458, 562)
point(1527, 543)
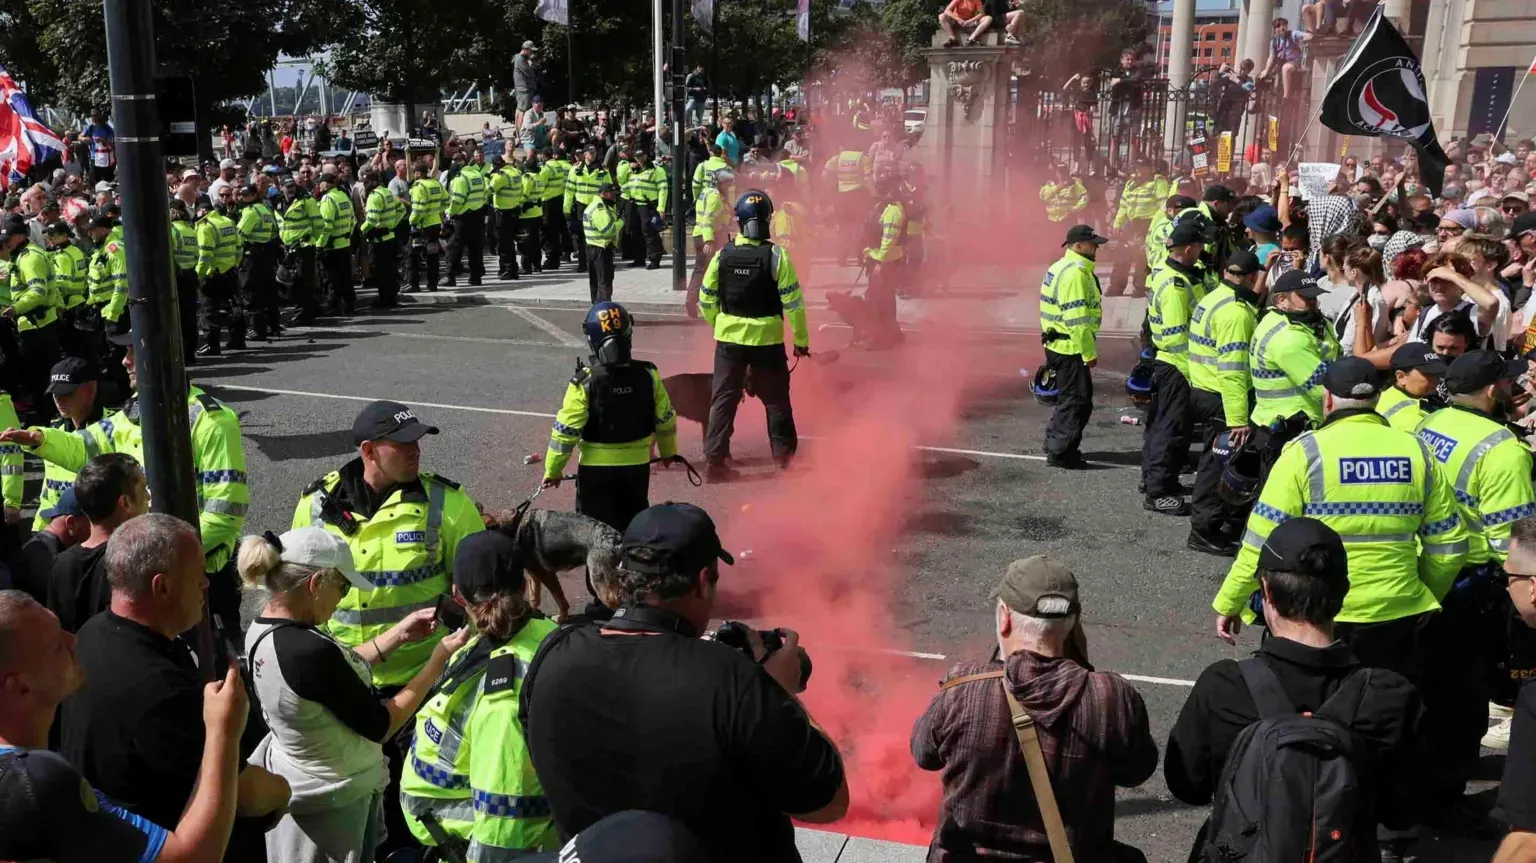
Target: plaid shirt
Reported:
point(1094, 733)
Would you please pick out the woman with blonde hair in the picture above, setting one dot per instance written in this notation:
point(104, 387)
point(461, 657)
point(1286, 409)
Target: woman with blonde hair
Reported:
point(327, 723)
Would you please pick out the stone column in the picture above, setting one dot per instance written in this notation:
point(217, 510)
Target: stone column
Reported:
point(1255, 44)
point(1180, 40)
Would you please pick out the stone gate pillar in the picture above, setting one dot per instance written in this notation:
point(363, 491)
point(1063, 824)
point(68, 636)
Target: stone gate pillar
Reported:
point(964, 136)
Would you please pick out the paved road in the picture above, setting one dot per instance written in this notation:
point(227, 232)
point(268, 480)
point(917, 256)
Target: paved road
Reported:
point(920, 479)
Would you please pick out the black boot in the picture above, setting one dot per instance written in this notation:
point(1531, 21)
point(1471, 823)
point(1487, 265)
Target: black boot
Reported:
point(210, 346)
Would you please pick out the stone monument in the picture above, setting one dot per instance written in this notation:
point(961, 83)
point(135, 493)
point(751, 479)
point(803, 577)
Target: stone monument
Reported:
point(964, 135)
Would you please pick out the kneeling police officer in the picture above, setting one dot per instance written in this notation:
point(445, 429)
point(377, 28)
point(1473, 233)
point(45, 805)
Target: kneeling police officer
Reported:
point(613, 409)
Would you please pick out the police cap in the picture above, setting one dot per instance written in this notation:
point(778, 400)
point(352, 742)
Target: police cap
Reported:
point(487, 563)
point(392, 421)
point(1352, 378)
point(1084, 234)
point(1299, 283)
point(1417, 355)
point(1474, 370)
point(68, 374)
point(1185, 232)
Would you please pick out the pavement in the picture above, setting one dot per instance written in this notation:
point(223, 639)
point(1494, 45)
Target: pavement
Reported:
point(921, 476)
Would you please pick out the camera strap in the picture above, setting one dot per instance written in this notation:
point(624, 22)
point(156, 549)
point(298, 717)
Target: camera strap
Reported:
point(649, 618)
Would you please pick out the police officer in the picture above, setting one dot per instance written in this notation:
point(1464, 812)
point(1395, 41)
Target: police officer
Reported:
point(33, 306)
point(1416, 370)
point(601, 226)
point(184, 251)
point(711, 227)
point(299, 230)
point(557, 241)
point(404, 526)
point(466, 199)
point(715, 162)
point(507, 203)
point(851, 170)
point(469, 774)
point(1064, 195)
point(1070, 313)
point(337, 219)
point(1173, 292)
point(218, 253)
point(1220, 338)
point(580, 188)
point(1140, 199)
point(429, 203)
point(613, 410)
point(258, 268)
point(382, 214)
point(748, 290)
point(75, 385)
point(69, 272)
point(218, 464)
point(531, 222)
point(1292, 345)
point(885, 261)
point(1377, 487)
point(646, 191)
point(1488, 466)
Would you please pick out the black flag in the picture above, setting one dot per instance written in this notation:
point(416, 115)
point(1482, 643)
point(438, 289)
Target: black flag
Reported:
point(1379, 91)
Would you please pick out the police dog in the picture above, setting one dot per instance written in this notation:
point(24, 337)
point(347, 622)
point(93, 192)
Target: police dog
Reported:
point(692, 393)
point(551, 542)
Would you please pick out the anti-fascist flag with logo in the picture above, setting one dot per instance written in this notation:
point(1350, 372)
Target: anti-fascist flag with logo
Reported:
point(1379, 92)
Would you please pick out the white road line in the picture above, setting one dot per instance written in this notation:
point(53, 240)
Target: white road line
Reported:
point(547, 326)
point(338, 397)
point(517, 343)
point(516, 413)
point(1164, 681)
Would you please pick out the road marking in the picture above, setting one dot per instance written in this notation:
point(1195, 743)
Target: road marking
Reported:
point(536, 414)
point(1165, 681)
point(519, 343)
point(547, 326)
point(338, 397)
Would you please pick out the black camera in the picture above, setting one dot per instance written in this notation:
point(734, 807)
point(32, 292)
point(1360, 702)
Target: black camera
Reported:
point(734, 633)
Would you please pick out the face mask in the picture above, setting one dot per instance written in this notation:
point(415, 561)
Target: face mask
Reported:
point(1376, 241)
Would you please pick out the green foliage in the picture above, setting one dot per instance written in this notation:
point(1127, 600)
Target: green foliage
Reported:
point(1065, 37)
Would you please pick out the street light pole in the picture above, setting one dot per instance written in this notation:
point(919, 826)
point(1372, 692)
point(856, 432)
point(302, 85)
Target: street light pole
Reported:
point(679, 155)
point(160, 367)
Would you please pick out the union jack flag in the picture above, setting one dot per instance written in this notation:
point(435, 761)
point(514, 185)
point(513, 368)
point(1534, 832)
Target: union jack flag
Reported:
point(24, 140)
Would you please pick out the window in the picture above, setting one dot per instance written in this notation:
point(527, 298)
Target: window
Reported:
point(1210, 37)
point(1227, 36)
point(1226, 52)
point(1207, 52)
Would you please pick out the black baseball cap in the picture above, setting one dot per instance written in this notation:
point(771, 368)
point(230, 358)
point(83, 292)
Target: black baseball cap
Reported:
point(1243, 263)
point(389, 421)
point(672, 538)
point(1417, 355)
point(1084, 234)
point(1218, 192)
point(631, 837)
point(13, 226)
point(120, 333)
point(1474, 370)
point(1305, 546)
point(485, 563)
point(1524, 223)
point(1298, 282)
point(1352, 378)
point(1187, 231)
point(68, 374)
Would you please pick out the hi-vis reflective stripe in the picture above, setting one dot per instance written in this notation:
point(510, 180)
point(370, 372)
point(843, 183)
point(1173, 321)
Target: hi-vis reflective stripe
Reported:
point(440, 808)
point(510, 806)
point(1397, 407)
point(434, 775)
point(479, 852)
point(378, 616)
point(1480, 449)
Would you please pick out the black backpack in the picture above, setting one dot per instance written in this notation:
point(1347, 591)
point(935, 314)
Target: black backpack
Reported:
point(1292, 788)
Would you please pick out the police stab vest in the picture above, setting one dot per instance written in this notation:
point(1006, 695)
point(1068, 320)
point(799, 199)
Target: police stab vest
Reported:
point(621, 403)
point(749, 287)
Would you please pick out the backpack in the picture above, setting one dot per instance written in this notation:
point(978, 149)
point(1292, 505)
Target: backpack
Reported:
point(1292, 786)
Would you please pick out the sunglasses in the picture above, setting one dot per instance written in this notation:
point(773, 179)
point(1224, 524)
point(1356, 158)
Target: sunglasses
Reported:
point(1512, 208)
point(1453, 231)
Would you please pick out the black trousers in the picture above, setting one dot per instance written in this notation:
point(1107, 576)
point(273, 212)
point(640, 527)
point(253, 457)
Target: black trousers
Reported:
point(556, 234)
point(491, 219)
point(305, 293)
point(650, 238)
point(528, 235)
point(468, 239)
point(39, 352)
point(1170, 425)
point(429, 256)
point(506, 244)
point(884, 281)
point(613, 495)
point(1210, 516)
point(600, 272)
point(1064, 432)
point(220, 292)
point(1393, 644)
point(1458, 655)
point(633, 247)
point(258, 287)
point(186, 302)
point(703, 253)
point(386, 271)
point(578, 237)
point(770, 381)
point(338, 275)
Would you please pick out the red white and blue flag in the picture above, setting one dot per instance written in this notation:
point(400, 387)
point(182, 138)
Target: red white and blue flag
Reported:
point(24, 140)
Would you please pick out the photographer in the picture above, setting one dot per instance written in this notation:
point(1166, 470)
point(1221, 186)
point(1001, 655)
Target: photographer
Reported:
point(640, 713)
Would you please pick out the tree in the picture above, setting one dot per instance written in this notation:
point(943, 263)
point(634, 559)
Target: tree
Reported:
point(226, 49)
point(1065, 37)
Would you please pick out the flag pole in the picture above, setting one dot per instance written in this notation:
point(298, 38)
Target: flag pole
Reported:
point(1498, 134)
point(1301, 140)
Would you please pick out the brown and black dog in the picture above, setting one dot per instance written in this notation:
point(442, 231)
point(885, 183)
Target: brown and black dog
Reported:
point(691, 394)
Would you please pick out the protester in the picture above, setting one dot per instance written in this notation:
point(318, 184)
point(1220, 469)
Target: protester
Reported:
point(67, 527)
point(735, 785)
point(1516, 805)
point(1093, 731)
point(110, 490)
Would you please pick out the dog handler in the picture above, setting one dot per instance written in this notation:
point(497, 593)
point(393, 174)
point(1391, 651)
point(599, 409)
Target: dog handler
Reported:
point(613, 409)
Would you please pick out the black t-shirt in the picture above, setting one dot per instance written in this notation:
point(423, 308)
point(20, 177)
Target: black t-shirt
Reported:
point(1517, 792)
point(77, 586)
point(49, 812)
point(33, 564)
point(685, 727)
